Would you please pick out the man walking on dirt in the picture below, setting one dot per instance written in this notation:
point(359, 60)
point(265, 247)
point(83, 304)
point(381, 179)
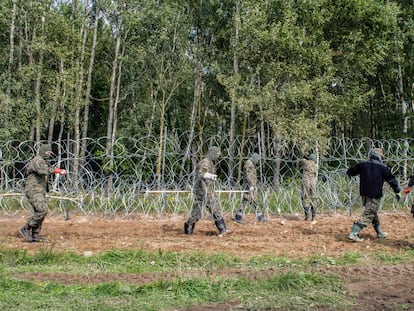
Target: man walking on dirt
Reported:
point(38, 172)
point(203, 190)
point(250, 186)
point(372, 175)
point(309, 165)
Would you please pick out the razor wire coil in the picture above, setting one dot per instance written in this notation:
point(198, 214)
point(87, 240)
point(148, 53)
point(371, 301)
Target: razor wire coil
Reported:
point(145, 176)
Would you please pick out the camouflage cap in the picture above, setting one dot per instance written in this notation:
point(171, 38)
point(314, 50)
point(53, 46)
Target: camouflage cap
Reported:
point(312, 157)
point(376, 152)
point(214, 153)
point(255, 158)
point(45, 151)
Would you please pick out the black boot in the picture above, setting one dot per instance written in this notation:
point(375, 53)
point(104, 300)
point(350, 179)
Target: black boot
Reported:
point(35, 235)
point(260, 217)
point(25, 233)
point(239, 218)
point(221, 226)
point(380, 234)
point(313, 209)
point(188, 229)
point(306, 210)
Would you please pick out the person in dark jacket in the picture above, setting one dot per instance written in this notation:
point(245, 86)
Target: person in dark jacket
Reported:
point(38, 171)
point(373, 173)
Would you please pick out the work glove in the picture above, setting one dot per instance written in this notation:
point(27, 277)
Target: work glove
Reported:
point(406, 190)
point(60, 171)
point(412, 209)
point(251, 189)
point(398, 196)
point(210, 176)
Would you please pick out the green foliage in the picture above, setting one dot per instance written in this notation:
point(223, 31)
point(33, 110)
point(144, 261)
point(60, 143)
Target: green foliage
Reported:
point(305, 69)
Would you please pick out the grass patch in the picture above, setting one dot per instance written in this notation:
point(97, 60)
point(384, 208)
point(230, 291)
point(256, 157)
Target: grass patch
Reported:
point(290, 284)
point(263, 294)
point(399, 258)
point(125, 261)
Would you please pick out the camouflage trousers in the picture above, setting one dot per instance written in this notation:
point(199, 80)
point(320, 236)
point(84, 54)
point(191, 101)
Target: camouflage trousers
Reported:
point(309, 194)
point(248, 199)
point(200, 202)
point(40, 210)
point(370, 213)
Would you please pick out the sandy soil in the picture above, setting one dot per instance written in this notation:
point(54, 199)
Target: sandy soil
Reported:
point(386, 287)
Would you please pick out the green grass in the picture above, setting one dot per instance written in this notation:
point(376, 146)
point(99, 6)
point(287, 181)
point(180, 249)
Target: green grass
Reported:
point(288, 284)
point(276, 291)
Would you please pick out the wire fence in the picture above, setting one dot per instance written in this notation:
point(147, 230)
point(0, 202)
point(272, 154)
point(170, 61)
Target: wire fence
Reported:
point(155, 176)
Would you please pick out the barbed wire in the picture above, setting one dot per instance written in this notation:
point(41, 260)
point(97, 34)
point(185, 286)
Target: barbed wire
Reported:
point(149, 177)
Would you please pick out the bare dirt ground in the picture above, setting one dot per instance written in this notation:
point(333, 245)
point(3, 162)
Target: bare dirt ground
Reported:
point(371, 287)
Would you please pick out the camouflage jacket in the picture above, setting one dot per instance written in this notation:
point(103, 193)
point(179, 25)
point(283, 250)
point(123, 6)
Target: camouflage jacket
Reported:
point(203, 186)
point(309, 170)
point(38, 172)
point(250, 175)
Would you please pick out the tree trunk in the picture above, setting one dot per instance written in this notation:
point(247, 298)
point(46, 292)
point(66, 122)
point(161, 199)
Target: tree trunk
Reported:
point(404, 104)
point(111, 115)
point(37, 86)
point(11, 53)
point(89, 84)
point(160, 144)
point(243, 142)
point(196, 103)
point(234, 95)
point(78, 98)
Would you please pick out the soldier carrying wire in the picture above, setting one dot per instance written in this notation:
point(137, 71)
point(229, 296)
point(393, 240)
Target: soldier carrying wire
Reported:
point(250, 186)
point(309, 167)
point(203, 190)
point(38, 171)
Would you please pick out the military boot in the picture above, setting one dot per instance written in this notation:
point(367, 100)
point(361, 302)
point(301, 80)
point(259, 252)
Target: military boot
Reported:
point(260, 217)
point(306, 210)
point(380, 234)
point(239, 218)
point(356, 228)
point(313, 209)
point(35, 235)
point(188, 229)
point(221, 226)
point(25, 233)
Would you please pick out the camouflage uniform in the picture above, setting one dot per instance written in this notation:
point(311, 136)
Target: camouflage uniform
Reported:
point(250, 186)
point(38, 172)
point(203, 192)
point(406, 191)
point(309, 185)
point(373, 173)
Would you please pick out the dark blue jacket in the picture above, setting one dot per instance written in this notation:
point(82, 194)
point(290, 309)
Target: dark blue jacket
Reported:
point(372, 175)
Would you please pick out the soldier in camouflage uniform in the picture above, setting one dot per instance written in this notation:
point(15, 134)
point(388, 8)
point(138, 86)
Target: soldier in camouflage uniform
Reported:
point(373, 173)
point(250, 186)
point(38, 172)
point(406, 191)
point(309, 167)
point(203, 190)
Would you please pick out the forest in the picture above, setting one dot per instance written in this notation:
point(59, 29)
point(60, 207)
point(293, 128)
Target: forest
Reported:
point(291, 70)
